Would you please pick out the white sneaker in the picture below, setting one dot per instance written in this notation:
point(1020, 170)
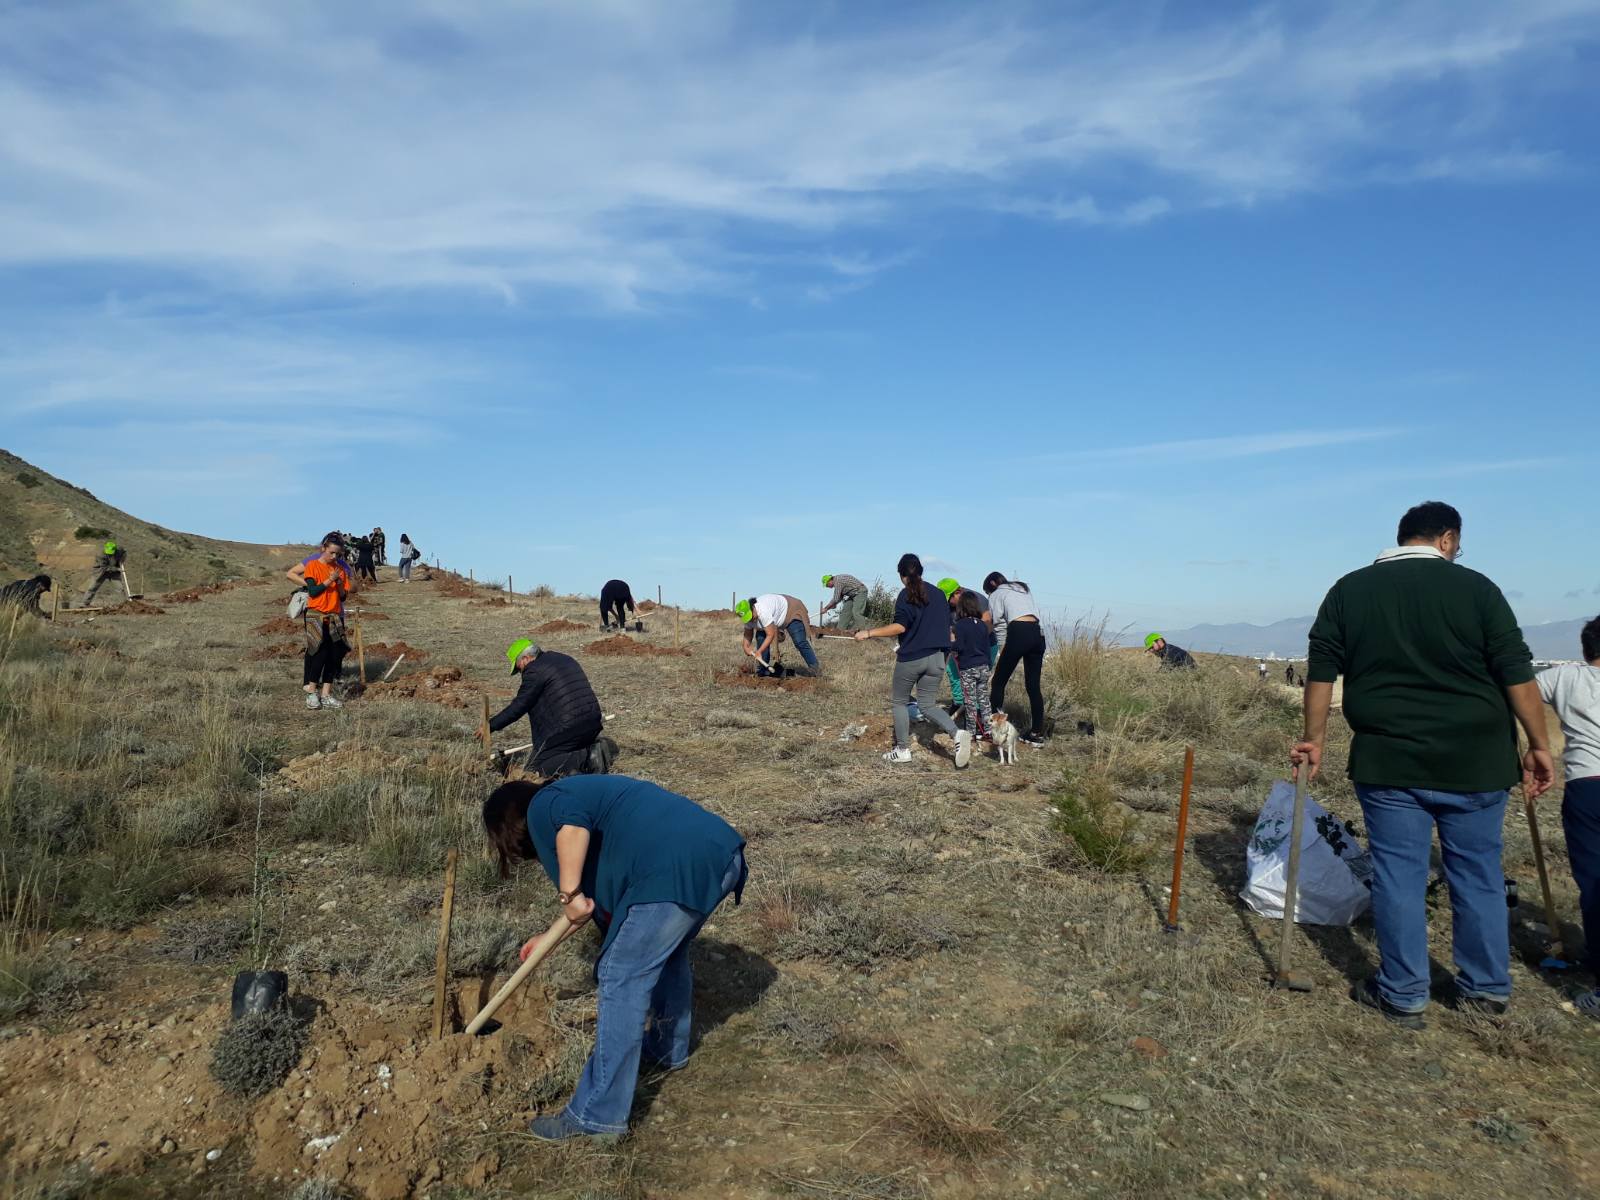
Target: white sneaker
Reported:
point(900, 754)
point(1589, 1004)
point(963, 747)
point(312, 701)
point(332, 702)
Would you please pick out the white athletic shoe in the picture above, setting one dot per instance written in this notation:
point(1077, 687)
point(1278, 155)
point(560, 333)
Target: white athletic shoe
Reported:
point(1589, 1004)
point(332, 702)
point(963, 747)
point(312, 700)
point(900, 754)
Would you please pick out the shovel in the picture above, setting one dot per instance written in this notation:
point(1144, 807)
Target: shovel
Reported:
point(1288, 978)
point(552, 938)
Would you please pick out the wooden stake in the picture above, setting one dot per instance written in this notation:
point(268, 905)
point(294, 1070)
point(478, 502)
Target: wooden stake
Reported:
point(1183, 830)
point(484, 732)
point(511, 592)
point(55, 599)
point(361, 652)
point(658, 595)
point(677, 617)
point(441, 963)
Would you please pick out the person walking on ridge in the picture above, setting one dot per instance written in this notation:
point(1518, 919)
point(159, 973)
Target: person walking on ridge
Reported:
point(326, 580)
point(408, 557)
point(1437, 677)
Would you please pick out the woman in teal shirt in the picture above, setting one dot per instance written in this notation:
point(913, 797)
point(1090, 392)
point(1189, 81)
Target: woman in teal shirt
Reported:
point(650, 866)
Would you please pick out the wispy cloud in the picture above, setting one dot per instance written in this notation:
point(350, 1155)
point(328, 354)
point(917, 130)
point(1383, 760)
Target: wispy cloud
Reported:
point(1216, 448)
point(622, 151)
point(770, 372)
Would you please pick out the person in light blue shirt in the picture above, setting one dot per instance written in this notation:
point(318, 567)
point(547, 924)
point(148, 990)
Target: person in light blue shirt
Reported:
point(650, 866)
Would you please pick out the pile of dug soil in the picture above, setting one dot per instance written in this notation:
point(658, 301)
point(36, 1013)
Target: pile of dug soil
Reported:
point(137, 608)
point(276, 650)
point(192, 595)
point(393, 650)
point(747, 678)
point(375, 1105)
point(647, 606)
point(277, 625)
point(454, 585)
point(345, 761)
point(560, 625)
point(622, 646)
point(441, 685)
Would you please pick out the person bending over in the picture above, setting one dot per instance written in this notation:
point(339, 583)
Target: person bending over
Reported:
point(648, 866)
point(563, 714)
point(764, 616)
point(615, 597)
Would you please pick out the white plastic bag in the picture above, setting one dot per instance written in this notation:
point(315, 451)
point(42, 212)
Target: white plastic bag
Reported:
point(1335, 884)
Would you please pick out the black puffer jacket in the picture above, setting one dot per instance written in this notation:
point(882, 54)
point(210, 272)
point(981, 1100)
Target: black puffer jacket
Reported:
point(561, 707)
point(616, 592)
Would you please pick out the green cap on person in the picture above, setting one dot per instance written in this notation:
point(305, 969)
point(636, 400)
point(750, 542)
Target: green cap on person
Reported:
point(1152, 640)
point(949, 587)
point(744, 610)
point(517, 649)
point(827, 581)
point(111, 547)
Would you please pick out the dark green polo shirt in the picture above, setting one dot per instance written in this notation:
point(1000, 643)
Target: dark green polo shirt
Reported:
point(1427, 649)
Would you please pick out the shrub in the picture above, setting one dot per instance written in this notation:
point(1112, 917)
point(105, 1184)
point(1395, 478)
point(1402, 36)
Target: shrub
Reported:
point(543, 592)
point(1104, 833)
point(880, 603)
point(88, 533)
point(862, 934)
point(256, 1053)
point(28, 479)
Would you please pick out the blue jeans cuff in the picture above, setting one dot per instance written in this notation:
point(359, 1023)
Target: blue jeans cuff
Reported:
point(592, 1126)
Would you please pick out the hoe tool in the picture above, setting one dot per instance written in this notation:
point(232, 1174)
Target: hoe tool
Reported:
point(552, 938)
point(1287, 977)
point(1555, 959)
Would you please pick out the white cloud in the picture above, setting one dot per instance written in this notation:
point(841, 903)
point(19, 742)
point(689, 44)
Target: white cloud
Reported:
point(618, 151)
point(1215, 448)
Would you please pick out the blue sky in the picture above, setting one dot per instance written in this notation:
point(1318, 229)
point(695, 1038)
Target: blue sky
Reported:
point(1170, 309)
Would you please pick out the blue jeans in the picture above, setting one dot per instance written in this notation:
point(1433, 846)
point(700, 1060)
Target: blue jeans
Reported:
point(796, 630)
point(644, 974)
point(1580, 820)
point(1400, 825)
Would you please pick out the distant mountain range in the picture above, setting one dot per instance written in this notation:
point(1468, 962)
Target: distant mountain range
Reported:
point(1287, 638)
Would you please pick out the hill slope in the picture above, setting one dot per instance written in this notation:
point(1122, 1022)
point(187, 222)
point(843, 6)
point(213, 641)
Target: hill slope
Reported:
point(1287, 638)
point(48, 524)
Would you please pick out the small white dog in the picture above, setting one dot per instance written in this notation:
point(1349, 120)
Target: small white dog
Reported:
point(1004, 735)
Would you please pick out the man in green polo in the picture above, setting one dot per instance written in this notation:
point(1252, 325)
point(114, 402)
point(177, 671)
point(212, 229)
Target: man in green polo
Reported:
point(1437, 678)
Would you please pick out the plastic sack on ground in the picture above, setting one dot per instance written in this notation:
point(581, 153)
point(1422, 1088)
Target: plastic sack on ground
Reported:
point(1335, 884)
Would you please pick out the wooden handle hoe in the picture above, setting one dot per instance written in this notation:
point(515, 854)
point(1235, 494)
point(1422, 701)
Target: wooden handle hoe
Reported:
point(1287, 978)
point(1556, 958)
point(552, 938)
point(1183, 830)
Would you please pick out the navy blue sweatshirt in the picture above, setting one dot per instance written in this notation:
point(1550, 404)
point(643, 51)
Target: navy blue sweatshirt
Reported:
point(972, 643)
point(927, 626)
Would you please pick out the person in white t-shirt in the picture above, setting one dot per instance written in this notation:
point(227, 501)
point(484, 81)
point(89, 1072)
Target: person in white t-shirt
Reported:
point(767, 615)
point(1573, 690)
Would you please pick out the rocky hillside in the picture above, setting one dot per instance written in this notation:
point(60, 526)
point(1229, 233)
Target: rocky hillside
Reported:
point(50, 525)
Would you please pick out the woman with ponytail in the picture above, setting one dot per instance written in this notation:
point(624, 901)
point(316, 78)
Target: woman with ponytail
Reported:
point(922, 623)
point(1015, 618)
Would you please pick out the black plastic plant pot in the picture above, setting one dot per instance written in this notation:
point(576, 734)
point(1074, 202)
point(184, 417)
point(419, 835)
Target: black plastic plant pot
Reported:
point(256, 992)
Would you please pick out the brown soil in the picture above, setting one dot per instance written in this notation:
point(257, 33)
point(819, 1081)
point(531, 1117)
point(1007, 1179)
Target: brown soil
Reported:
point(622, 646)
point(560, 625)
point(749, 679)
point(454, 585)
point(497, 602)
point(193, 595)
point(393, 650)
point(83, 646)
point(374, 1102)
point(277, 625)
point(277, 650)
point(647, 606)
point(137, 608)
point(441, 685)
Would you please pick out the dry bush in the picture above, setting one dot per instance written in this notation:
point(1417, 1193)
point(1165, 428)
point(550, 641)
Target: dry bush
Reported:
point(543, 592)
point(204, 940)
point(834, 808)
point(804, 1016)
point(730, 718)
point(866, 932)
point(256, 1053)
point(939, 1121)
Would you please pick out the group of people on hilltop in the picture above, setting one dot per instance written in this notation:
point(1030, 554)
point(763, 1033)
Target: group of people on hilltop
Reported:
point(944, 631)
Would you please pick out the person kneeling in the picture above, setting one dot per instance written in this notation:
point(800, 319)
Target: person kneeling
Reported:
point(649, 866)
point(563, 714)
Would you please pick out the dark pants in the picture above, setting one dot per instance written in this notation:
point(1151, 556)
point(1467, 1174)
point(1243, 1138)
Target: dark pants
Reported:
point(1580, 819)
point(566, 751)
point(1024, 644)
point(324, 664)
point(607, 607)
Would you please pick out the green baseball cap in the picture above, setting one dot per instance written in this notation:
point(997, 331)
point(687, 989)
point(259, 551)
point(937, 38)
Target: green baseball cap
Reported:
point(744, 610)
point(111, 547)
point(949, 587)
point(517, 649)
point(827, 581)
point(1152, 640)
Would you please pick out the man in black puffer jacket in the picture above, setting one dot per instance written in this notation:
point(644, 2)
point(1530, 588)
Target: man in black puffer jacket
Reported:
point(562, 712)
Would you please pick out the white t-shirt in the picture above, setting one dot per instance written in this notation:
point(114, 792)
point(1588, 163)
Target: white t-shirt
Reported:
point(1573, 690)
point(771, 609)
